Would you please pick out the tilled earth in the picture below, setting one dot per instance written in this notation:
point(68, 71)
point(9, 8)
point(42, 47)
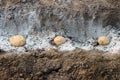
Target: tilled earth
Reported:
point(56, 65)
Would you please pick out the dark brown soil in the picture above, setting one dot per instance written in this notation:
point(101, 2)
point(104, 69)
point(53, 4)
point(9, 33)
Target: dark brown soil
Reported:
point(56, 65)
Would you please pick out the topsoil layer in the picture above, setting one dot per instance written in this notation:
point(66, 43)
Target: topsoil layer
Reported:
point(55, 65)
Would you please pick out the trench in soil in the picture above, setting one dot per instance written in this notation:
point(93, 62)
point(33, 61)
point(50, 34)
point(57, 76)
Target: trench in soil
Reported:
point(40, 25)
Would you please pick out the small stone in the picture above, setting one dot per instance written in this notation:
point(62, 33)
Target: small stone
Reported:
point(103, 40)
point(21, 75)
point(10, 16)
point(17, 40)
point(59, 40)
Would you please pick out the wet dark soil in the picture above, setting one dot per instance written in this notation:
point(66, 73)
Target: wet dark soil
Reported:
point(56, 65)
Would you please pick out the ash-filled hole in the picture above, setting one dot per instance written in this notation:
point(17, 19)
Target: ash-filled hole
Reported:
point(42, 24)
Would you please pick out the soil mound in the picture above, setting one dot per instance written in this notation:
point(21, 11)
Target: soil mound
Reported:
point(55, 65)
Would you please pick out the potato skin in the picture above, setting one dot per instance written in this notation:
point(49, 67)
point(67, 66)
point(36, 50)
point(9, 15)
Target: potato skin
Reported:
point(103, 40)
point(17, 40)
point(59, 40)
